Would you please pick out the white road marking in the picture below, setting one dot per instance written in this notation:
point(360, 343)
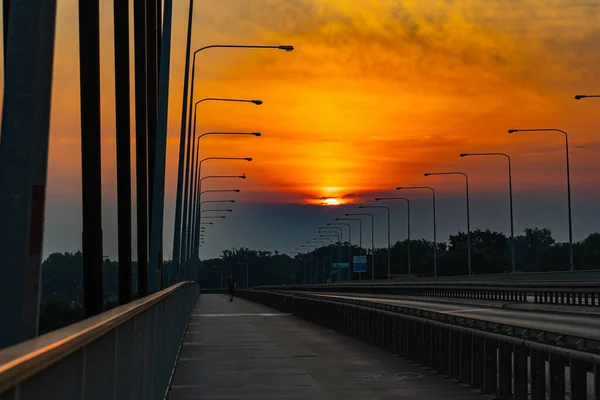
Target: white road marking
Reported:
point(243, 315)
point(469, 310)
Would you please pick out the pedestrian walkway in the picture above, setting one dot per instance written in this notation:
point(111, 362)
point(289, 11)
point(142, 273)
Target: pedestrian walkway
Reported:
point(242, 350)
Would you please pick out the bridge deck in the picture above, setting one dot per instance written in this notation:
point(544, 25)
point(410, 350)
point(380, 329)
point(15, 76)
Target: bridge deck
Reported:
point(242, 350)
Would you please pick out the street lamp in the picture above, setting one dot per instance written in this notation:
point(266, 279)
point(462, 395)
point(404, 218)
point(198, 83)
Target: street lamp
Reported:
point(333, 225)
point(468, 215)
point(388, 229)
point(183, 184)
point(312, 248)
point(359, 243)
point(216, 210)
point(434, 223)
point(321, 237)
point(194, 214)
point(408, 224)
point(372, 239)
point(220, 190)
point(213, 216)
point(217, 201)
point(322, 244)
point(510, 196)
point(572, 263)
point(585, 96)
point(221, 284)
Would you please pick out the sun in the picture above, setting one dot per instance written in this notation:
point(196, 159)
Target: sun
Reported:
point(331, 202)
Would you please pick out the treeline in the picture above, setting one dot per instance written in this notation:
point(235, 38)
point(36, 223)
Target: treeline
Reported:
point(535, 251)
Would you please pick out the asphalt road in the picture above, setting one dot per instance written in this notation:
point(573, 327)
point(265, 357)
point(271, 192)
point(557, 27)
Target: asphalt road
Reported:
point(579, 325)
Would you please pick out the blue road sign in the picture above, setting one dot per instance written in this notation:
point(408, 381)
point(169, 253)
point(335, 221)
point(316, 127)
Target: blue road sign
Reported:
point(359, 264)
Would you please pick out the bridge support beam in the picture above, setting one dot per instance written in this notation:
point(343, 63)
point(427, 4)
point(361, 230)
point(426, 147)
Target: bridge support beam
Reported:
point(23, 164)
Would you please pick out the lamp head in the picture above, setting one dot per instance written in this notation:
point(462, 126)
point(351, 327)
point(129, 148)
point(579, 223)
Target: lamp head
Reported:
point(337, 219)
point(286, 48)
point(257, 102)
point(361, 206)
point(512, 130)
point(228, 210)
point(463, 154)
point(426, 174)
point(232, 201)
point(580, 96)
point(346, 215)
point(243, 176)
point(257, 134)
point(378, 198)
point(236, 190)
point(248, 158)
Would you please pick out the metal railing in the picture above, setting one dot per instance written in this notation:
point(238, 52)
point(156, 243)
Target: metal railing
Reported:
point(549, 292)
point(509, 365)
point(128, 352)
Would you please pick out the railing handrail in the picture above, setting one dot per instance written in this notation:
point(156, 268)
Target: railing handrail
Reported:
point(516, 285)
point(23, 360)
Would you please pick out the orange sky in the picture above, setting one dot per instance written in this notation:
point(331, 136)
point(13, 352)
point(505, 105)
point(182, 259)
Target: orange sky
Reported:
point(376, 93)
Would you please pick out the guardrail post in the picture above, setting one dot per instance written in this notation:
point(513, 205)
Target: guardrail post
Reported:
point(520, 373)
point(454, 373)
point(477, 357)
point(557, 377)
point(505, 372)
point(491, 366)
point(426, 349)
point(597, 380)
point(403, 338)
point(410, 340)
point(538, 375)
point(435, 348)
point(466, 358)
point(418, 342)
point(578, 380)
point(444, 352)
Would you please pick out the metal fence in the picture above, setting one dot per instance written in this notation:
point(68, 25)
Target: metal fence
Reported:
point(507, 366)
point(558, 293)
point(126, 353)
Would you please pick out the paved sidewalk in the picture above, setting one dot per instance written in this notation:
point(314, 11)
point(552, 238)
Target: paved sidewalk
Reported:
point(243, 350)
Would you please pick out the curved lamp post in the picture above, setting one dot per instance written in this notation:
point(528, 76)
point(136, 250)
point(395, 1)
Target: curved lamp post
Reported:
point(183, 182)
point(571, 261)
point(333, 225)
point(359, 243)
point(372, 238)
point(313, 248)
point(585, 96)
point(330, 256)
point(408, 223)
point(468, 214)
point(510, 196)
point(388, 229)
point(434, 223)
point(194, 215)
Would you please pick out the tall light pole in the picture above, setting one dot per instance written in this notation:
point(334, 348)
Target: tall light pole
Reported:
point(190, 181)
point(388, 229)
point(571, 261)
point(337, 231)
point(185, 156)
point(322, 237)
point(194, 223)
point(322, 244)
point(195, 191)
point(303, 259)
point(359, 243)
point(312, 248)
point(333, 225)
point(190, 85)
point(220, 191)
point(510, 196)
point(408, 223)
point(372, 238)
point(434, 223)
point(468, 215)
